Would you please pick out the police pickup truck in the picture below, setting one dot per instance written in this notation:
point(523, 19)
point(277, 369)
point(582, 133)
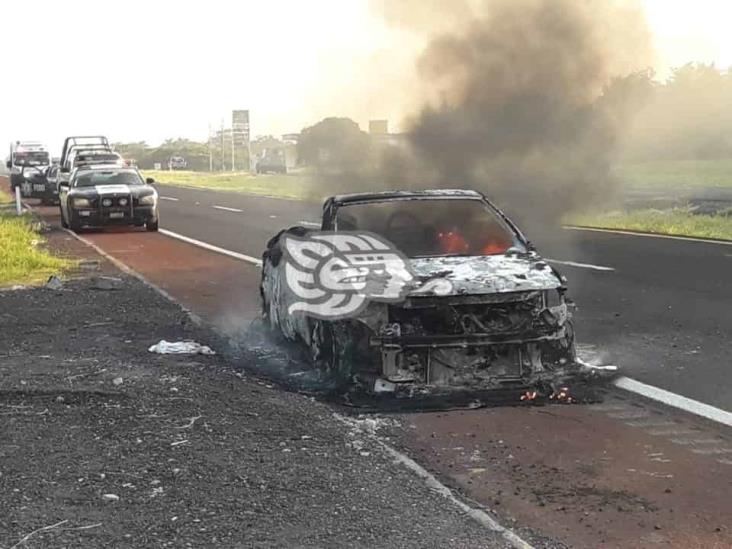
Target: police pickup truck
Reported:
point(28, 163)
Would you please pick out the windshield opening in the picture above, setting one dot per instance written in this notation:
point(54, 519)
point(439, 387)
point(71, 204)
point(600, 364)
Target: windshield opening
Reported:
point(432, 227)
point(31, 159)
point(108, 177)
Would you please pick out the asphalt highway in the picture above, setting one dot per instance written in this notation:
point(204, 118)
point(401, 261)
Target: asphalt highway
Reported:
point(658, 308)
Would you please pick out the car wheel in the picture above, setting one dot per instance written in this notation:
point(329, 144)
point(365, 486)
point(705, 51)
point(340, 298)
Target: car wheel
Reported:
point(151, 226)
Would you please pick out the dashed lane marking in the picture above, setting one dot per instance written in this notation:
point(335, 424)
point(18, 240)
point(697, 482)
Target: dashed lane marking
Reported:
point(712, 451)
point(581, 265)
point(630, 414)
point(695, 441)
point(309, 223)
point(171, 198)
point(227, 209)
point(672, 432)
point(646, 423)
point(211, 247)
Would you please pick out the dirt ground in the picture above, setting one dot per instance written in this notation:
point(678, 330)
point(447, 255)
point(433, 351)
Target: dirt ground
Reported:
point(104, 444)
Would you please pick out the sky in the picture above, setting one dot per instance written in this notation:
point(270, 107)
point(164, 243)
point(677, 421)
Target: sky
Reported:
point(150, 70)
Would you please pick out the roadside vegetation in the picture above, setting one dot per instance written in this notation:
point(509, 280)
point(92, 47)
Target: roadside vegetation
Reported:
point(677, 222)
point(295, 186)
point(22, 260)
point(673, 174)
point(5, 198)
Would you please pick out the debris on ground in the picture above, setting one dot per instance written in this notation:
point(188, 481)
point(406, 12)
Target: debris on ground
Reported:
point(181, 348)
point(107, 283)
point(54, 283)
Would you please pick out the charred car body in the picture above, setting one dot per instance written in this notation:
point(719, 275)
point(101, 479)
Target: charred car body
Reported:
point(483, 310)
point(99, 195)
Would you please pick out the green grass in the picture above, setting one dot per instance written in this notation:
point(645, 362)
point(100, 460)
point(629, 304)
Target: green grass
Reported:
point(676, 173)
point(5, 198)
point(22, 261)
point(678, 222)
point(296, 186)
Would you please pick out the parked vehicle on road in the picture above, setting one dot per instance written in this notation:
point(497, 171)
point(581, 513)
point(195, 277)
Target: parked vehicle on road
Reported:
point(177, 163)
point(98, 195)
point(272, 160)
point(477, 307)
point(28, 162)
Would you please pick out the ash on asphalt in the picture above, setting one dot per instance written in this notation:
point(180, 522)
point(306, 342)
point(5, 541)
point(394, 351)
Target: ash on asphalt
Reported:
point(111, 446)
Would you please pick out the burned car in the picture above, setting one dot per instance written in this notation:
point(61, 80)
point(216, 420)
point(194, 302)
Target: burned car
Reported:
point(476, 306)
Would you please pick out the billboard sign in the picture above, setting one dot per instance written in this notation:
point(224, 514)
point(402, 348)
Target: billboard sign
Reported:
point(240, 127)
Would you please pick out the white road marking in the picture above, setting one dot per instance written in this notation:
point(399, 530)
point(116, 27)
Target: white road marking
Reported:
point(197, 320)
point(581, 265)
point(211, 247)
point(477, 514)
point(712, 451)
point(695, 441)
point(647, 235)
point(725, 461)
point(674, 400)
point(309, 224)
point(227, 209)
point(630, 414)
point(675, 432)
point(171, 198)
point(646, 423)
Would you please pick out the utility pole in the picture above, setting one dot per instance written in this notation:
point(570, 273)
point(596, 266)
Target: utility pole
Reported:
point(233, 165)
point(223, 149)
point(210, 151)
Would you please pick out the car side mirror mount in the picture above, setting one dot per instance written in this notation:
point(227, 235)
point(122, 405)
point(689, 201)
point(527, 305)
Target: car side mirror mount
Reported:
point(149, 181)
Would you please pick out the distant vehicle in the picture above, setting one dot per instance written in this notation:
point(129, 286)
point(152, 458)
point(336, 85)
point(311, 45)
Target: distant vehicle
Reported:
point(27, 163)
point(97, 195)
point(177, 163)
point(272, 160)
